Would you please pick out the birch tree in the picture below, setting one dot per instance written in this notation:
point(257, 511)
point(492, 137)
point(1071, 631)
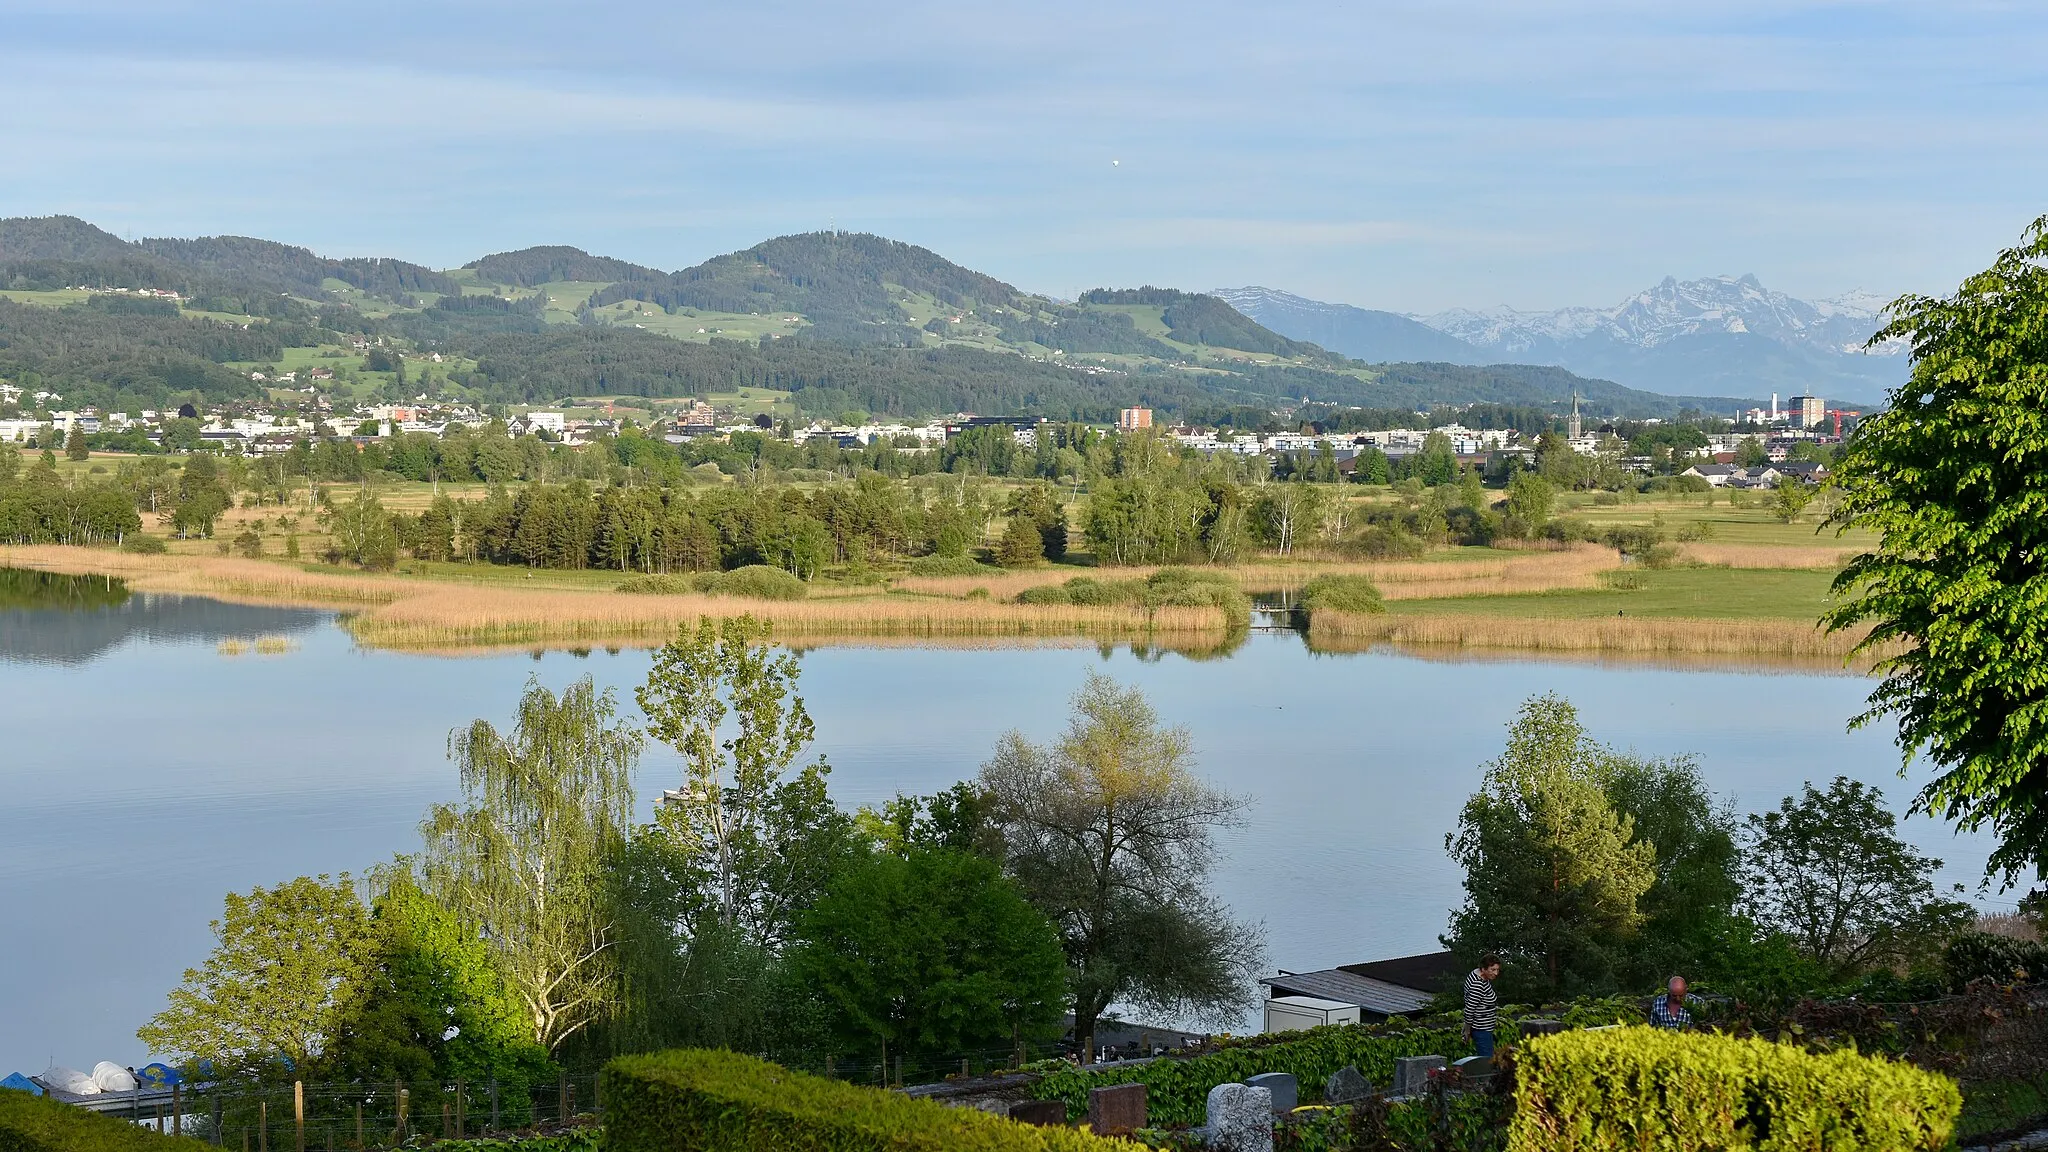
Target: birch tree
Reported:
point(544, 812)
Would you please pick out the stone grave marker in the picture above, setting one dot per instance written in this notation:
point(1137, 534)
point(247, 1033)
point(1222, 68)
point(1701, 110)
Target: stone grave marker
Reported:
point(1474, 1068)
point(1346, 1085)
point(1411, 1073)
point(1285, 1088)
point(1240, 1119)
point(1541, 1026)
point(1117, 1110)
point(1044, 1113)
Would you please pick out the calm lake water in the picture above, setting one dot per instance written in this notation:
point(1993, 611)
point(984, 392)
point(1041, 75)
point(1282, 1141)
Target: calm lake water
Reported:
point(146, 771)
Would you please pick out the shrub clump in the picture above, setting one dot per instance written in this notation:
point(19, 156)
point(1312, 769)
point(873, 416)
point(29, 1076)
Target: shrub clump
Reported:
point(754, 582)
point(1638, 1087)
point(1353, 594)
point(698, 1098)
point(145, 545)
point(1166, 588)
point(662, 584)
point(31, 1123)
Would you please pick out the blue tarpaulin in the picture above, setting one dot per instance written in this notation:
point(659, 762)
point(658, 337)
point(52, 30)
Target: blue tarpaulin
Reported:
point(158, 1075)
point(20, 1083)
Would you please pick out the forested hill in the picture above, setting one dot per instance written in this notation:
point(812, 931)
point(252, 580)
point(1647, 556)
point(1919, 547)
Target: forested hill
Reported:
point(553, 263)
point(838, 320)
point(33, 247)
point(849, 283)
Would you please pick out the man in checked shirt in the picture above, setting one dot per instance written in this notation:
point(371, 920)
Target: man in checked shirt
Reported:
point(1668, 1011)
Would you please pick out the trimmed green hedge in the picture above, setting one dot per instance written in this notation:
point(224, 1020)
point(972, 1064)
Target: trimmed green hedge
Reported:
point(1177, 1090)
point(30, 1123)
point(1633, 1088)
point(702, 1100)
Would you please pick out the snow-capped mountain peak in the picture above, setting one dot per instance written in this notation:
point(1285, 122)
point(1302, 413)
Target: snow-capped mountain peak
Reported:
point(1672, 309)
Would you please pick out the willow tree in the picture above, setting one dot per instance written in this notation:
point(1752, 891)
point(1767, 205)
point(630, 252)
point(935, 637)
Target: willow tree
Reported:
point(1950, 478)
point(523, 858)
point(1108, 831)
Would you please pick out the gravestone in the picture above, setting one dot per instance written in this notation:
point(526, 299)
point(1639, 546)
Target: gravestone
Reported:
point(1044, 1113)
point(1541, 1026)
point(1474, 1068)
point(1411, 1074)
point(1240, 1119)
point(1117, 1110)
point(1285, 1088)
point(1346, 1085)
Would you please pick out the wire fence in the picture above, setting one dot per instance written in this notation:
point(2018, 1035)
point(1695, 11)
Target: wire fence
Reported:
point(310, 1117)
point(300, 1117)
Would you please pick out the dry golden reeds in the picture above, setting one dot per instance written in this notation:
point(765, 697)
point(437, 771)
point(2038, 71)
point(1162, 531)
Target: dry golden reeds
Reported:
point(492, 617)
point(1531, 571)
point(220, 577)
point(1829, 556)
point(1635, 634)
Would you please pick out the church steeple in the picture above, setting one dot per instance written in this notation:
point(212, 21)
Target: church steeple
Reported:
point(1573, 427)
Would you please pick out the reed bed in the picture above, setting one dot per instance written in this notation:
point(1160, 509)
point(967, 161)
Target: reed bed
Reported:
point(221, 577)
point(261, 646)
point(1766, 639)
point(490, 617)
point(1531, 571)
point(1829, 556)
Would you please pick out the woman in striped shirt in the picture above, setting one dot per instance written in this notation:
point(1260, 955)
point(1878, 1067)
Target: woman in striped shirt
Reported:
point(1481, 1005)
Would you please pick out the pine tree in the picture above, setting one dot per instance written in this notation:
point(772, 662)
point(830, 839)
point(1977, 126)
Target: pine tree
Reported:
point(1022, 544)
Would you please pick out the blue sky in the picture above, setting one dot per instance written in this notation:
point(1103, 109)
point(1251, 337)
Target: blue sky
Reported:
point(1409, 156)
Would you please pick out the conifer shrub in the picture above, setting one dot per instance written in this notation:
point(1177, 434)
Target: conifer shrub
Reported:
point(717, 1101)
point(1617, 1090)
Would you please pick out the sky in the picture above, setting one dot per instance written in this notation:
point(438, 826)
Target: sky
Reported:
point(1411, 156)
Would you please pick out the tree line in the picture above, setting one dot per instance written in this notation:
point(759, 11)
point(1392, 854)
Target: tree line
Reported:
point(1591, 870)
point(539, 924)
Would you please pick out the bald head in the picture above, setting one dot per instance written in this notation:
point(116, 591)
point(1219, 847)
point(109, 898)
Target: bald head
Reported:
point(1677, 987)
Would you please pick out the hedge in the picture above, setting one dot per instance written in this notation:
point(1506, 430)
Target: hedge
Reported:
point(1177, 1089)
point(31, 1123)
point(701, 1100)
point(1633, 1088)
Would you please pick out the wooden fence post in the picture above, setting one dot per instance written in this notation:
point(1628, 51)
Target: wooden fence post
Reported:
point(359, 1124)
point(299, 1116)
point(459, 1108)
point(263, 1126)
point(562, 1098)
point(494, 1103)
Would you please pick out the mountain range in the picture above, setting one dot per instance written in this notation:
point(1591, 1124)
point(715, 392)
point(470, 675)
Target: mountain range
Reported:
point(1717, 335)
point(841, 321)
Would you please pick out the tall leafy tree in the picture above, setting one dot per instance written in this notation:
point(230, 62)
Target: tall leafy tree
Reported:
point(1828, 870)
point(932, 951)
point(764, 839)
point(433, 1005)
point(1948, 478)
point(268, 999)
point(524, 856)
point(1689, 908)
point(1553, 872)
point(1109, 832)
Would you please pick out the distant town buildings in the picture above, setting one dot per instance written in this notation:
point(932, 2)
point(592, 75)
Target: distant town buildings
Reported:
point(1132, 419)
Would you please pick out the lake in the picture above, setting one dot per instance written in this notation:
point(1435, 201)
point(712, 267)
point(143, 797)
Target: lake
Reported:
point(154, 760)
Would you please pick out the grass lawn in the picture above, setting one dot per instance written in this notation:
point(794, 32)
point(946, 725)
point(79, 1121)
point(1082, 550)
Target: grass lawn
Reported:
point(1699, 593)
